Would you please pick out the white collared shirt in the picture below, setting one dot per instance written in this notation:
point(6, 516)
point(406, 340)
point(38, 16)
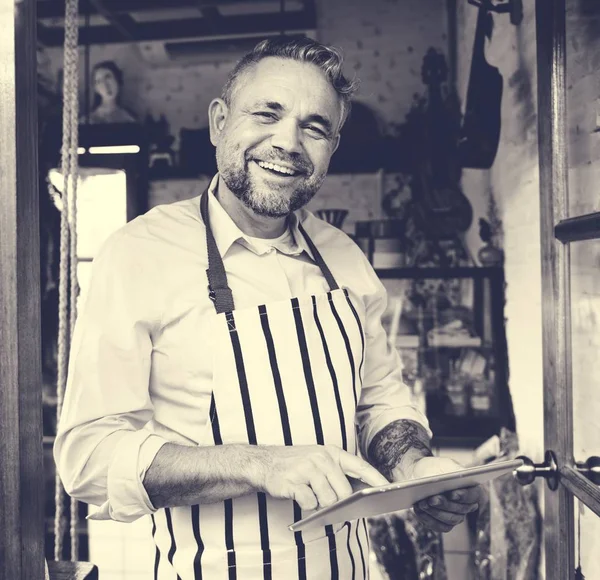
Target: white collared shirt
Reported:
point(137, 378)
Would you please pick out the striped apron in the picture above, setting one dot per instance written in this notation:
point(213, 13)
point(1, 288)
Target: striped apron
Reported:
point(284, 373)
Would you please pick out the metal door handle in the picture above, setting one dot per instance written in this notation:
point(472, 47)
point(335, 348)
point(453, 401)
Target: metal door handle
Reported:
point(590, 468)
point(527, 473)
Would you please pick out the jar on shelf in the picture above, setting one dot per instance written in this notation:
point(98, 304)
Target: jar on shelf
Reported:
point(457, 391)
point(481, 396)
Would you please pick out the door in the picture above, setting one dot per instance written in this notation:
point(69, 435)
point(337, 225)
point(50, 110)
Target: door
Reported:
point(21, 504)
point(568, 42)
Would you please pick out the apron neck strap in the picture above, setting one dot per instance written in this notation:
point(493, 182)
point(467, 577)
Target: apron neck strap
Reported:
point(333, 285)
point(218, 288)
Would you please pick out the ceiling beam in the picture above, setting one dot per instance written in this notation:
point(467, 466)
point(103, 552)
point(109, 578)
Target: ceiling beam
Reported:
point(123, 23)
point(56, 9)
point(210, 12)
point(190, 28)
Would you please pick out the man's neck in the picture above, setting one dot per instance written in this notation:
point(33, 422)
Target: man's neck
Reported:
point(249, 222)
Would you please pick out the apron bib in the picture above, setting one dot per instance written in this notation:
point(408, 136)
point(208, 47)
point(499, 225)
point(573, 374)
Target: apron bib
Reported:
point(284, 373)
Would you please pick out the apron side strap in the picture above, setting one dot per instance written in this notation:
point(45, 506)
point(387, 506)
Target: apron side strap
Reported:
point(333, 285)
point(220, 294)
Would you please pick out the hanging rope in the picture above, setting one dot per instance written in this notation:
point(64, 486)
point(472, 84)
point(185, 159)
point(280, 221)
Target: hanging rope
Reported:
point(67, 290)
point(74, 286)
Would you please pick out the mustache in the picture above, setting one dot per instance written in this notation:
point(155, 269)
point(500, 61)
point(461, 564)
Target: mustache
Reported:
point(297, 161)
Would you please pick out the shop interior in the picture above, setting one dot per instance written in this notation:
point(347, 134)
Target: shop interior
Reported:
point(449, 176)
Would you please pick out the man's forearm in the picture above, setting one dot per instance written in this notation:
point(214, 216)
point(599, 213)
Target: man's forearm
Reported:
point(181, 475)
point(396, 448)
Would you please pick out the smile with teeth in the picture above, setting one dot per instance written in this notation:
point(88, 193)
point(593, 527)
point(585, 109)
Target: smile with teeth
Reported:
point(276, 168)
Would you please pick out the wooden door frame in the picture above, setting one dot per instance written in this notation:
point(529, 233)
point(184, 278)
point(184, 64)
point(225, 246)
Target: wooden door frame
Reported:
point(553, 172)
point(557, 231)
point(21, 463)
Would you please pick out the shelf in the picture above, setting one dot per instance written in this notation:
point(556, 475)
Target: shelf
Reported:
point(481, 311)
point(486, 347)
point(176, 177)
point(417, 273)
point(454, 441)
point(176, 174)
point(457, 430)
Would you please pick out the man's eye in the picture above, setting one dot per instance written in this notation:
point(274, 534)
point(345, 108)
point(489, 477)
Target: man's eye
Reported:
point(317, 130)
point(266, 115)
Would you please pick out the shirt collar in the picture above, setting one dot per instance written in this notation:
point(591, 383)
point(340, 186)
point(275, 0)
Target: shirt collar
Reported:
point(227, 233)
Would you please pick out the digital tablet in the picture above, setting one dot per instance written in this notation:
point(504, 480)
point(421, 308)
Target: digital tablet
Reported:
point(374, 501)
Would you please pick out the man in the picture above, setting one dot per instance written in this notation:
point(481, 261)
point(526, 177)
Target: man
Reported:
point(229, 370)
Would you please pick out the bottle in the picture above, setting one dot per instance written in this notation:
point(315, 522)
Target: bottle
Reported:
point(457, 397)
point(481, 400)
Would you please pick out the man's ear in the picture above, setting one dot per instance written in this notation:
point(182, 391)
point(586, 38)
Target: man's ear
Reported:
point(217, 116)
point(336, 142)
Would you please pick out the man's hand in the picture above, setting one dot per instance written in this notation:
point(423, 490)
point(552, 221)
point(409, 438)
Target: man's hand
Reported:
point(313, 475)
point(444, 511)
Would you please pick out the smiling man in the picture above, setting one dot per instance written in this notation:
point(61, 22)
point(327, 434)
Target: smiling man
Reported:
point(275, 130)
point(229, 370)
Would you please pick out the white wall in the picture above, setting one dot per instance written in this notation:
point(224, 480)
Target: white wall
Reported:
point(513, 181)
point(383, 41)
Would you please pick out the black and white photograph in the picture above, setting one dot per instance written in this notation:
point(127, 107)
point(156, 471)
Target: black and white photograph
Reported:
point(299, 289)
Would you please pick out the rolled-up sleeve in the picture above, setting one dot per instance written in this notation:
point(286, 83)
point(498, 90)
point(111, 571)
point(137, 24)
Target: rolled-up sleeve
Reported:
point(385, 397)
point(101, 448)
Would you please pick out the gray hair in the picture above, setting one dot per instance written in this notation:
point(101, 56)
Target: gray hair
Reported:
point(328, 58)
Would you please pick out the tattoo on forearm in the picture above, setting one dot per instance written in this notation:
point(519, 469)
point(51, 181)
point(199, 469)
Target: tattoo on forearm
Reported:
point(391, 444)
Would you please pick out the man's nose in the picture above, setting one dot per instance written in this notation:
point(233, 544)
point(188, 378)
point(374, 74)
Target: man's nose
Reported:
point(286, 136)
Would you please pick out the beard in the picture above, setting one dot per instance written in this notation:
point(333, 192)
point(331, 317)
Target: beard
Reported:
point(270, 201)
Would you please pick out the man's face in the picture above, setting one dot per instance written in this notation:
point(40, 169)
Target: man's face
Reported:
point(276, 138)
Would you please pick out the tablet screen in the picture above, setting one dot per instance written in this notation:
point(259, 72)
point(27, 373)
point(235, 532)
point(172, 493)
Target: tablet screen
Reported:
point(373, 501)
